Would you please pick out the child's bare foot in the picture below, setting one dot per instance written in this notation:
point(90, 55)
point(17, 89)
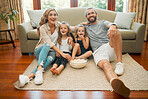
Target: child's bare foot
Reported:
point(52, 70)
point(56, 71)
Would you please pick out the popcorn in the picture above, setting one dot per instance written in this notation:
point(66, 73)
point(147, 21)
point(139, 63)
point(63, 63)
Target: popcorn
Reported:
point(78, 63)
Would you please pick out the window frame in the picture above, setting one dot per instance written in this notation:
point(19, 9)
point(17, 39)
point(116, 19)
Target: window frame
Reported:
point(74, 3)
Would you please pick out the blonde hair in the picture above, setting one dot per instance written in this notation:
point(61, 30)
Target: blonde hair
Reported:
point(44, 18)
point(76, 36)
point(59, 33)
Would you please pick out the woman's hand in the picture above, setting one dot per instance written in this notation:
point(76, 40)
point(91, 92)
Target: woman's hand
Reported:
point(57, 55)
point(67, 56)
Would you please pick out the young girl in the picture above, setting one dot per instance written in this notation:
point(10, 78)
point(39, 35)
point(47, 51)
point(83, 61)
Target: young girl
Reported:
point(65, 44)
point(81, 47)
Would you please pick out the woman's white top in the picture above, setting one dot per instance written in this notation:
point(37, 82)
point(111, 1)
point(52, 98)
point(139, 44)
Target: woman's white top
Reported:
point(45, 35)
point(54, 37)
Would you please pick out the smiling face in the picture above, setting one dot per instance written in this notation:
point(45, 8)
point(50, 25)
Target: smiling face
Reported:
point(81, 32)
point(52, 17)
point(63, 29)
point(91, 15)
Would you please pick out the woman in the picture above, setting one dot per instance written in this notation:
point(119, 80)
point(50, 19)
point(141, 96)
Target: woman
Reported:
point(45, 48)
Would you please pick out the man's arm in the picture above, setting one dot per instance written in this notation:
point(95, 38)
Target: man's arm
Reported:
point(113, 28)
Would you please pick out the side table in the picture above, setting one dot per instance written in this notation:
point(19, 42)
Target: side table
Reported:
point(11, 40)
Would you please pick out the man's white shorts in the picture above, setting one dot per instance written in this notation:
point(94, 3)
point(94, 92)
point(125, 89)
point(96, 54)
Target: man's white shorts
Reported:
point(104, 52)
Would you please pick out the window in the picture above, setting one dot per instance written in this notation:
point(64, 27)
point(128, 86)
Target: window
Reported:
point(119, 5)
point(45, 4)
point(102, 4)
point(27, 5)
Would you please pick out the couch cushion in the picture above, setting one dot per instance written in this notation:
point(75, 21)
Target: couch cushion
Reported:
point(127, 34)
point(124, 20)
point(75, 16)
point(35, 17)
point(106, 15)
point(32, 34)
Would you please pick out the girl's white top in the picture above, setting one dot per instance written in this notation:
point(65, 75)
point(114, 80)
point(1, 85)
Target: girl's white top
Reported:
point(65, 47)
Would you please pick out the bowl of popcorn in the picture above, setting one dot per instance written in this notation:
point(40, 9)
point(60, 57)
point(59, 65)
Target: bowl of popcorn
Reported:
point(78, 62)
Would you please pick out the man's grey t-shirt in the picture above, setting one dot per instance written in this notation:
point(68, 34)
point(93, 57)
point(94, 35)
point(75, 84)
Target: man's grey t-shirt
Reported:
point(97, 34)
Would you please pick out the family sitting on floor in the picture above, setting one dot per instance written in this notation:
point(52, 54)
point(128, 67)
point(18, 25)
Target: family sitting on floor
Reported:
point(57, 42)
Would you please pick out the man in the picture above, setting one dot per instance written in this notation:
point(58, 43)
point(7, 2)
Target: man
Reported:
point(106, 44)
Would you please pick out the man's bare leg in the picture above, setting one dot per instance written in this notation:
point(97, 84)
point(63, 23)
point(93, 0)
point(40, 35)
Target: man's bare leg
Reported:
point(107, 68)
point(116, 43)
point(117, 85)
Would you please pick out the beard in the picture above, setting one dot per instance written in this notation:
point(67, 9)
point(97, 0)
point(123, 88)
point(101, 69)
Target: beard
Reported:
point(95, 18)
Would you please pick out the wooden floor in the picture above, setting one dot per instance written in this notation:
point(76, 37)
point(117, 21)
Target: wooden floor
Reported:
point(12, 63)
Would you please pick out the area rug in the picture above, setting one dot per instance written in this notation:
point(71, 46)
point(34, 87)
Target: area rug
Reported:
point(89, 78)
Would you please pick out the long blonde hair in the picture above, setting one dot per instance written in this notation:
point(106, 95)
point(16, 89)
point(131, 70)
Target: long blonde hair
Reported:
point(44, 18)
point(59, 33)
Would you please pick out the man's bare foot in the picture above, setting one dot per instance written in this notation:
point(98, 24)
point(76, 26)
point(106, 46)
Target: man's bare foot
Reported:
point(52, 70)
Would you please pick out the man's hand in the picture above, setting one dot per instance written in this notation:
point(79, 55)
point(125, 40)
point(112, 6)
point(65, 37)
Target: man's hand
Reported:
point(85, 23)
point(112, 31)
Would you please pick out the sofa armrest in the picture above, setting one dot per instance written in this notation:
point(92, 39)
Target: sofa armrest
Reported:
point(140, 31)
point(23, 29)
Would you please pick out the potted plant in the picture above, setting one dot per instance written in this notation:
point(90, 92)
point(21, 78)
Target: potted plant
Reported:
point(10, 15)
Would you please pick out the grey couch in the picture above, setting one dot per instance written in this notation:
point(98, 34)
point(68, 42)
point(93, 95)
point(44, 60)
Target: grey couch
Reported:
point(132, 39)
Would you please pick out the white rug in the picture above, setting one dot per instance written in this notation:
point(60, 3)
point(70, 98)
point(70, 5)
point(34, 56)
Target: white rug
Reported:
point(89, 78)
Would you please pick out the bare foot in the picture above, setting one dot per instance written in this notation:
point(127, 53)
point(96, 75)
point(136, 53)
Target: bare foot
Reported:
point(52, 70)
point(56, 72)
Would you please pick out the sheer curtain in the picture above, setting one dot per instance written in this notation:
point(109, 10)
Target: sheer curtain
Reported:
point(141, 9)
point(16, 5)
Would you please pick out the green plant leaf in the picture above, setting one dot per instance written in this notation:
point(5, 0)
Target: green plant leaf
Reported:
point(6, 21)
point(11, 17)
point(18, 19)
point(1, 16)
point(12, 14)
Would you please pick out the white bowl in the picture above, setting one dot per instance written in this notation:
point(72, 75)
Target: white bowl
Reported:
point(78, 63)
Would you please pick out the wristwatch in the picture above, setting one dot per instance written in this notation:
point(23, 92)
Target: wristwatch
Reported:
point(114, 25)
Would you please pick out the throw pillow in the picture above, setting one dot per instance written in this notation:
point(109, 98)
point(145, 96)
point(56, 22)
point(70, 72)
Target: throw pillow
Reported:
point(124, 20)
point(35, 17)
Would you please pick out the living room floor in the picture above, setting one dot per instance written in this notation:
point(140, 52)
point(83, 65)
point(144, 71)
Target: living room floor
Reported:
point(12, 63)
